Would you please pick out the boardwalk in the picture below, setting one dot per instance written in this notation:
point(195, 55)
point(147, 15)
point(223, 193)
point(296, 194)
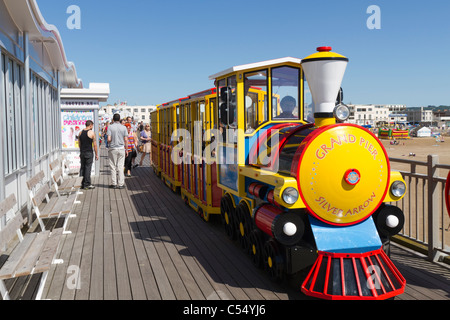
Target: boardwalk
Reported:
point(143, 243)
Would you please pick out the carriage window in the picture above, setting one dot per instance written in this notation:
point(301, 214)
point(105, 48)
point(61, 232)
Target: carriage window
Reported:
point(163, 113)
point(227, 106)
point(227, 109)
point(188, 117)
point(178, 117)
point(182, 118)
point(212, 112)
point(286, 93)
point(232, 105)
point(255, 100)
point(202, 114)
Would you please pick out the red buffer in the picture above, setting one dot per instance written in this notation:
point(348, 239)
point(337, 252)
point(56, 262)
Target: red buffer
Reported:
point(343, 276)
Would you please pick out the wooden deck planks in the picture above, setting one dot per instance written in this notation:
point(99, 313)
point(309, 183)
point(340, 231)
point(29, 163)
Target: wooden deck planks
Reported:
point(182, 218)
point(97, 283)
point(144, 243)
point(425, 280)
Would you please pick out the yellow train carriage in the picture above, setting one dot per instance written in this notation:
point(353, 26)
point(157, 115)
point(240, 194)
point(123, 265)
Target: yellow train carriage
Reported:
point(155, 141)
point(188, 121)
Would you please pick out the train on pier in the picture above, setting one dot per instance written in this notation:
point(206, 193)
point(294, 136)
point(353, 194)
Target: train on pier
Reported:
point(268, 150)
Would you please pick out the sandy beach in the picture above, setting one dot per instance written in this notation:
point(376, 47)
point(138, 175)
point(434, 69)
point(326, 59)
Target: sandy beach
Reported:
point(421, 148)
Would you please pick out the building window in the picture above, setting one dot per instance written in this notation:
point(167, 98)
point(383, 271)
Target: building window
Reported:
point(46, 116)
point(14, 128)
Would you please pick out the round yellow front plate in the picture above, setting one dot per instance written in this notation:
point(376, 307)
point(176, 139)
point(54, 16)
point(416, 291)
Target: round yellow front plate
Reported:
point(327, 157)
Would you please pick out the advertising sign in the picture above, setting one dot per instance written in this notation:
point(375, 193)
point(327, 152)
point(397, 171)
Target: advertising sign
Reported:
point(72, 124)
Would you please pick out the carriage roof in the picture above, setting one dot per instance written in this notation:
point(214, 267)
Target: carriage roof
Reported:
point(255, 65)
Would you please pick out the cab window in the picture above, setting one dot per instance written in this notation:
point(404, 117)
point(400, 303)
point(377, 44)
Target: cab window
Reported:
point(227, 97)
point(285, 93)
point(227, 106)
point(256, 105)
point(308, 109)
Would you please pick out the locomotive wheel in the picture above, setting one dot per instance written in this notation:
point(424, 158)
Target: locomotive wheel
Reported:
point(245, 226)
point(273, 261)
point(257, 247)
point(228, 216)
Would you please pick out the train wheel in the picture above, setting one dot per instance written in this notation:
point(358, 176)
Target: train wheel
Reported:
point(245, 225)
point(200, 213)
point(257, 247)
point(206, 216)
point(273, 261)
point(228, 216)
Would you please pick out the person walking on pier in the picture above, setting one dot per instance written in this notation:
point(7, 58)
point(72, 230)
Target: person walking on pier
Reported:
point(118, 150)
point(146, 138)
point(88, 145)
point(132, 153)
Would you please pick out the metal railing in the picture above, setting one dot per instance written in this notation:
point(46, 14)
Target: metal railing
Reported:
point(426, 219)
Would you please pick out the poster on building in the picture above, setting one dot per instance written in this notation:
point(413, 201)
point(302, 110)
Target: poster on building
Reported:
point(74, 162)
point(73, 122)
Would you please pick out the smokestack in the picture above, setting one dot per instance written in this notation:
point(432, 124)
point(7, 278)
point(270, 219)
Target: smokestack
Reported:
point(324, 72)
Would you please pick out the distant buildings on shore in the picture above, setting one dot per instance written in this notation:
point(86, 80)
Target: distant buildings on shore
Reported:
point(385, 115)
point(138, 113)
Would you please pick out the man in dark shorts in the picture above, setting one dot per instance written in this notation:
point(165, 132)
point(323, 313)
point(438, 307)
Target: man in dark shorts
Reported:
point(88, 145)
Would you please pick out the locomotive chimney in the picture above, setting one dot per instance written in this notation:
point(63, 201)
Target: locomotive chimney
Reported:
point(324, 72)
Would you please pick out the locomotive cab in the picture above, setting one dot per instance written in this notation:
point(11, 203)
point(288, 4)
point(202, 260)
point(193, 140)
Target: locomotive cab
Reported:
point(254, 99)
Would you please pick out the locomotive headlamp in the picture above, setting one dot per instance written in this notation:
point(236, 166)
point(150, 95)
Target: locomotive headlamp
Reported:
point(398, 189)
point(290, 195)
point(341, 112)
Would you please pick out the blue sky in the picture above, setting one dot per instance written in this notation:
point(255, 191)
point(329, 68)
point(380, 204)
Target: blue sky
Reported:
point(155, 51)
